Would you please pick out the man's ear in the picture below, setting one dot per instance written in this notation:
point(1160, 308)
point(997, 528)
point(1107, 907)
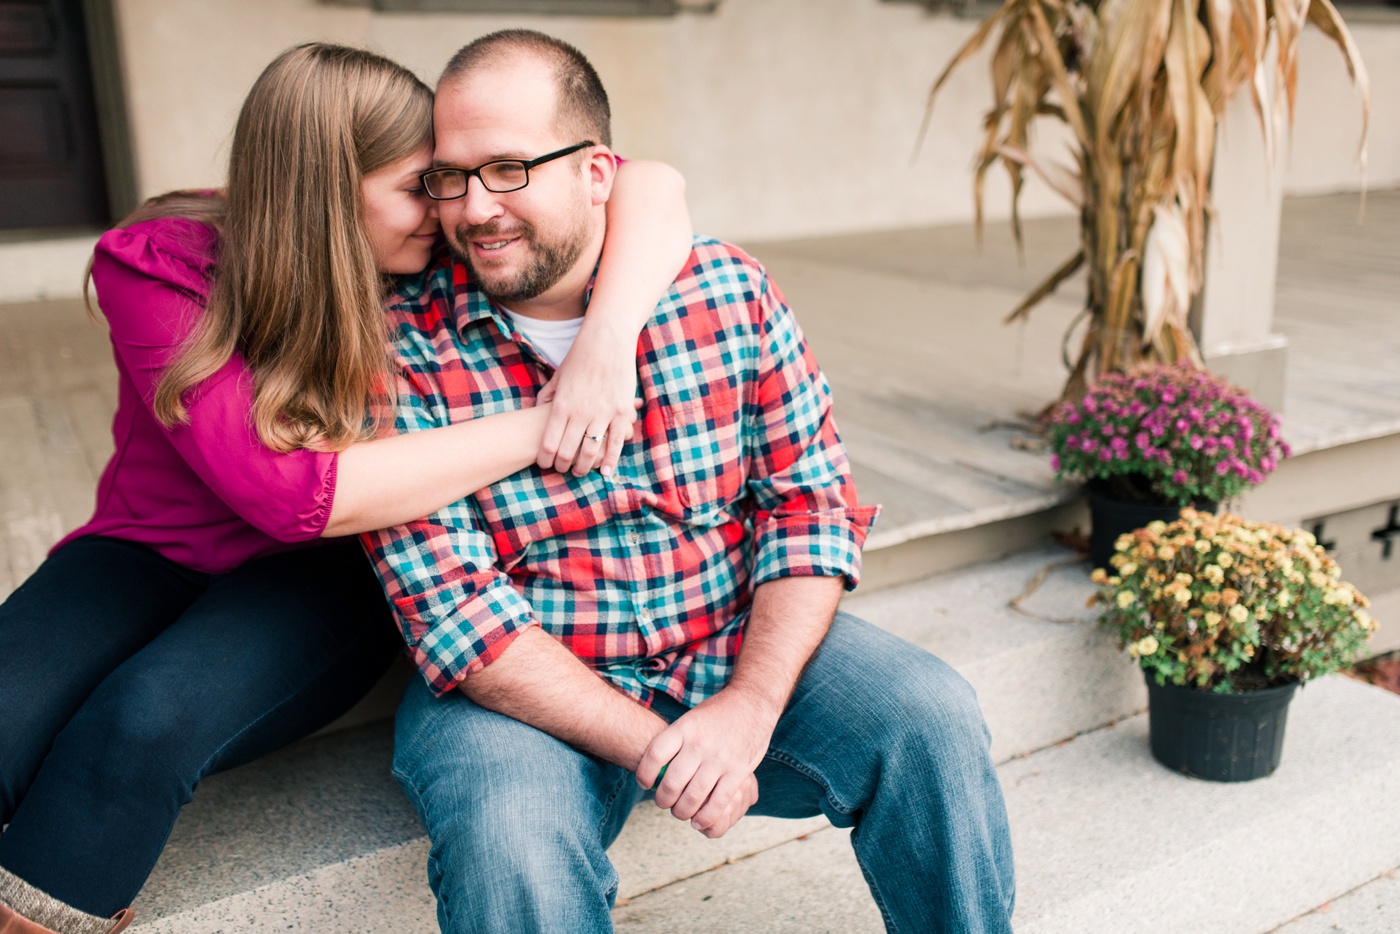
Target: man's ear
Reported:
point(602, 169)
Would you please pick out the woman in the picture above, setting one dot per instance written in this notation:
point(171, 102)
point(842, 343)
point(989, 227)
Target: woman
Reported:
point(195, 623)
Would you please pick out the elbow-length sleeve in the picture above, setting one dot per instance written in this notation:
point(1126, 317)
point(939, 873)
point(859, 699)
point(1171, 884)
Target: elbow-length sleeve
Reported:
point(152, 282)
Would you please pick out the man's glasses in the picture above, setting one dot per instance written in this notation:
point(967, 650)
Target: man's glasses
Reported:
point(448, 183)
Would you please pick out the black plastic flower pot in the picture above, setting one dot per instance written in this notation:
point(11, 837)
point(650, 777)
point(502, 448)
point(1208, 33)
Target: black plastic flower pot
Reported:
point(1110, 517)
point(1218, 737)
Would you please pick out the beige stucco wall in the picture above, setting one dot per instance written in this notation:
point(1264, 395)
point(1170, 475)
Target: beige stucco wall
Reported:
point(788, 117)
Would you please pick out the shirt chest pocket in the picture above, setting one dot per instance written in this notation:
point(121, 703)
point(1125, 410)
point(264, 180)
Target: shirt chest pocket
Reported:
point(705, 449)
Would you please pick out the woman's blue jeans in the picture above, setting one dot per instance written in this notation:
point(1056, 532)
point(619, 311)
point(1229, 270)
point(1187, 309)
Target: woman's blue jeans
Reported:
point(880, 736)
point(126, 678)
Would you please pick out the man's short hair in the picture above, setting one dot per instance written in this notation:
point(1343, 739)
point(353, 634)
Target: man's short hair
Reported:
point(583, 104)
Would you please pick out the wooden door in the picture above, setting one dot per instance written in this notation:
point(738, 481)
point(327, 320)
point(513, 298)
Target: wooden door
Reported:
point(50, 155)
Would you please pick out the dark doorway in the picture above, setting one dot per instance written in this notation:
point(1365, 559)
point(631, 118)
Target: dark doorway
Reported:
point(50, 153)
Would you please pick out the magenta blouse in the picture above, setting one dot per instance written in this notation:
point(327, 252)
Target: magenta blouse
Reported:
point(208, 495)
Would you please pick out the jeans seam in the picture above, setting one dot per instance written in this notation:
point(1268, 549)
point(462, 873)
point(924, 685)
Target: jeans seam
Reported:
point(603, 821)
point(796, 765)
point(415, 798)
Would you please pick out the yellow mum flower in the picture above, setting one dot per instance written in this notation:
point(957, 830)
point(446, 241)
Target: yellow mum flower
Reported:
point(1184, 579)
point(1128, 570)
point(1145, 646)
point(1182, 596)
point(1125, 599)
point(1166, 552)
point(1202, 546)
point(1238, 613)
point(1366, 621)
point(1225, 560)
point(1156, 526)
point(1213, 618)
point(1214, 574)
point(1284, 598)
point(1318, 579)
point(1123, 542)
point(1098, 575)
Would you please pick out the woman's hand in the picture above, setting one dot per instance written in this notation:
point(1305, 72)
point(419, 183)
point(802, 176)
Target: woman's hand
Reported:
point(594, 396)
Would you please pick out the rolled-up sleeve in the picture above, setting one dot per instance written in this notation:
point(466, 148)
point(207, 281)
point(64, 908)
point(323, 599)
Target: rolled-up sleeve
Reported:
point(152, 292)
point(807, 521)
point(456, 610)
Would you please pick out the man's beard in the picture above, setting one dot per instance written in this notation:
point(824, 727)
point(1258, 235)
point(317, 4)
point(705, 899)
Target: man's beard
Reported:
point(546, 264)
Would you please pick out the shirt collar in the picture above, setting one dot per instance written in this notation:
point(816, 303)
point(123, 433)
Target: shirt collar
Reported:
point(470, 304)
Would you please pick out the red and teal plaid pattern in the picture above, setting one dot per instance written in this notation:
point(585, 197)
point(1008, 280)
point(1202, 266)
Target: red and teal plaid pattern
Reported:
point(737, 477)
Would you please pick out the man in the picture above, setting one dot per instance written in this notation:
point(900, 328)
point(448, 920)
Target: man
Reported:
point(670, 625)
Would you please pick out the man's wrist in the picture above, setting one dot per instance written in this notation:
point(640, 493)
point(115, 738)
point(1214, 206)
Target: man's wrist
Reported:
point(762, 701)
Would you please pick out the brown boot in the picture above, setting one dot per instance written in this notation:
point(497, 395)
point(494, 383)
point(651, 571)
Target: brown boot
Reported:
point(27, 910)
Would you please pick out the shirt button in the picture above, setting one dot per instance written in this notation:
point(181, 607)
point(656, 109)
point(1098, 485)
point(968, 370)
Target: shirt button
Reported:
point(643, 616)
point(633, 538)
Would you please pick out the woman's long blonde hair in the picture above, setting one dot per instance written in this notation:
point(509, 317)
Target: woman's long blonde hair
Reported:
point(296, 289)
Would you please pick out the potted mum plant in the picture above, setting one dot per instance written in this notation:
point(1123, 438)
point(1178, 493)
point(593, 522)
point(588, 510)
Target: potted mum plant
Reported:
point(1226, 618)
point(1158, 438)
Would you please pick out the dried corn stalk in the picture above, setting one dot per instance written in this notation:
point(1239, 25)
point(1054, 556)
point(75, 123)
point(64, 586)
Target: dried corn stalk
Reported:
point(1141, 84)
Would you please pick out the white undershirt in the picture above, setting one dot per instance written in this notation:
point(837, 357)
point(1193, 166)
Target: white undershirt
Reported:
point(551, 338)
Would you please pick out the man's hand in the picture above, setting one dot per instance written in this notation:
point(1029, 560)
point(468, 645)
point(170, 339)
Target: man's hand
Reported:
point(710, 754)
point(594, 393)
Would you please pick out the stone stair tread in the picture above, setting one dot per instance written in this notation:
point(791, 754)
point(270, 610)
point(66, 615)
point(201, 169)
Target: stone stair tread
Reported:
point(328, 801)
point(1109, 841)
point(1370, 909)
point(319, 837)
point(327, 809)
point(1043, 672)
point(1104, 832)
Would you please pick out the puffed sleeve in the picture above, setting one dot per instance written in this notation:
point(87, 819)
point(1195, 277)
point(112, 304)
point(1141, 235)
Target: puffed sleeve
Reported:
point(152, 281)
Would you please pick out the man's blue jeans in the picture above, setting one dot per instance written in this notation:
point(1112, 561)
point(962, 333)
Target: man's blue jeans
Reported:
point(880, 736)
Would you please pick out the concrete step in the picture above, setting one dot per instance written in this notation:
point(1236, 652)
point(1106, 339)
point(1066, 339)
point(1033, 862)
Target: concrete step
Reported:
point(1109, 841)
point(292, 839)
point(318, 837)
point(1373, 908)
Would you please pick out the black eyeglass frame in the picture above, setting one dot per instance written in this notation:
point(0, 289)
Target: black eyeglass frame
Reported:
point(526, 164)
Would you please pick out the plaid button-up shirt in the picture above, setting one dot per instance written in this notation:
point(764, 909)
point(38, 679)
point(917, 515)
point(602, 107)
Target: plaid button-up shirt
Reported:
point(737, 477)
